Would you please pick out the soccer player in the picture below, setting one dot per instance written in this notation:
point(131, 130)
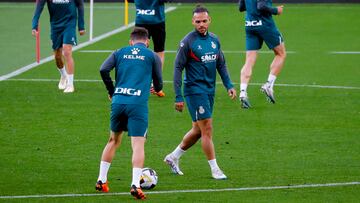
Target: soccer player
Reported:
point(150, 14)
point(201, 56)
point(260, 27)
point(63, 17)
point(135, 67)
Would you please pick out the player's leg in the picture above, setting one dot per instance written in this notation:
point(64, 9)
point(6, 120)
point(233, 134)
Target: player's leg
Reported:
point(106, 159)
point(158, 34)
point(67, 50)
point(57, 41)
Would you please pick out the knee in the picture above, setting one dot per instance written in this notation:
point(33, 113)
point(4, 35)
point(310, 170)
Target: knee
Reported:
point(207, 131)
point(67, 53)
point(114, 142)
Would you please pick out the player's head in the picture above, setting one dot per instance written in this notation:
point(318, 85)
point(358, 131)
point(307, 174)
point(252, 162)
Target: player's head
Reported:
point(201, 19)
point(139, 34)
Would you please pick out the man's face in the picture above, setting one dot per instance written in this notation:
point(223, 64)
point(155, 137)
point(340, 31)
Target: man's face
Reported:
point(201, 22)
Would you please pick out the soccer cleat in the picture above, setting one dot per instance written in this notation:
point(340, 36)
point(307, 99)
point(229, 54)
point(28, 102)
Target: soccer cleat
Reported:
point(160, 94)
point(102, 187)
point(269, 92)
point(69, 89)
point(137, 192)
point(62, 82)
point(245, 104)
point(174, 164)
point(218, 174)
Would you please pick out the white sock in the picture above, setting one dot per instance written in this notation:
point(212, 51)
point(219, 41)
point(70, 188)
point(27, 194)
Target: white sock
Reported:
point(178, 152)
point(104, 168)
point(136, 174)
point(271, 80)
point(71, 79)
point(213, 164)
point(243, 87)
point(62, 71)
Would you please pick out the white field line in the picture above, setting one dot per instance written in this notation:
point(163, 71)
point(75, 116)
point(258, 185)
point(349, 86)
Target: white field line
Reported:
point(188, 191)
point(344, 52)
point(96, 39)
point(218, 83)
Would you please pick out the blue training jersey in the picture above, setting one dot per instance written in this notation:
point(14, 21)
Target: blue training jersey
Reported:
point(149, 11)
point(258, 12)
point(135, 67)
point(63, 13)
point(200, 56)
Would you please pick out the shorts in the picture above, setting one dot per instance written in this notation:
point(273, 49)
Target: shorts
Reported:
point(64, 36)
point(200, 106)
point(158, 34)
point(129, 117)
point(255, 36)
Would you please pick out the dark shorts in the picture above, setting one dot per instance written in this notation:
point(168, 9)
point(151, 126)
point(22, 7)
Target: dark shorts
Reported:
point(129, 117)
point(157, 33)
point(65, 36)
point(255, 36)
point(200, 106)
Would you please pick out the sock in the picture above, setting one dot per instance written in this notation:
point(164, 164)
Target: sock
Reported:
point(178, 152)
point(71, 79)
point(271, 80)
point(243, 87)
point(136, 174)
point(62, 71)
point(104, 168)
point(213, 164)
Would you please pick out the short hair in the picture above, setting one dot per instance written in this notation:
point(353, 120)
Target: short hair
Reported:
point(200, 9)
point(139, 33)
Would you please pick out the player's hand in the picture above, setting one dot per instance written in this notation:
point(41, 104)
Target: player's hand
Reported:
point(232, 93)
point(280, 9)
point(179, 106)
point(34, 32)
point(82, 32)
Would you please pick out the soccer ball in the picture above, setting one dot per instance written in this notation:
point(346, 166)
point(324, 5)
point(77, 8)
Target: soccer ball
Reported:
point(148, 179)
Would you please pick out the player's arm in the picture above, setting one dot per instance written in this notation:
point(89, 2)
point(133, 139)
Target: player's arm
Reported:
point(180, 62)
point(224, 74)
point(105, 69)
point(263, 7)
point(242, 6)
point(35, 21)
point(81, 24)
point(157, 74)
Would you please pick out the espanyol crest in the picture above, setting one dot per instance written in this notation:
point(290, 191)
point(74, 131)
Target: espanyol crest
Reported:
point(201, 110)
point(213, 45)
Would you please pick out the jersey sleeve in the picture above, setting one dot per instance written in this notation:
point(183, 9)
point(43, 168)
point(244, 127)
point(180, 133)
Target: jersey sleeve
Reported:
point(263, 7)
point(80, 7)
point(242, 6)
point(105, 69)
point(39, 8)
point(223, 72)
point(157, 73)
point(180, 62)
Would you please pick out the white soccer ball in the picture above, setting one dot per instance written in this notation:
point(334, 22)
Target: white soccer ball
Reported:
point(148, 179)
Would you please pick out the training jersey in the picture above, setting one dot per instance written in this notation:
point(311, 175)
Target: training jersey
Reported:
point(149, 11)
point(135, 67)
point(63, 13)
point(201, 56)
point(258, 12)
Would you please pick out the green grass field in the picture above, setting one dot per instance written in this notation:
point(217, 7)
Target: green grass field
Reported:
point(51, 142)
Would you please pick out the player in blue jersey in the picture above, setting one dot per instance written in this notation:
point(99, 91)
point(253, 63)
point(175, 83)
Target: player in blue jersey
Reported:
point(150, 14)
point(260, 27)
point(135, 67)
point(63, 18)
point(201, 56)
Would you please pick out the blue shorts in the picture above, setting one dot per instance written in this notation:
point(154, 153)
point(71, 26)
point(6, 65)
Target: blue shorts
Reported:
point(64, 36)
point(200, 106)
point(255, 36)
point(129, 117)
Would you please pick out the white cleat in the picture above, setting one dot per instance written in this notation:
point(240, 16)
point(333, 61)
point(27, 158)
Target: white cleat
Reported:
point(174, 164)
point(269, 92)
point(218, 174)
point(69, 89)
point(245, 104)
point(62, 83)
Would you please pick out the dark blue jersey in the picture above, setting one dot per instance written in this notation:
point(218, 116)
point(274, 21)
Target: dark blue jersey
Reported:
point(258, 12)
point(201, 56)
point(149, 11)
point(63, 13)
point(135, 67)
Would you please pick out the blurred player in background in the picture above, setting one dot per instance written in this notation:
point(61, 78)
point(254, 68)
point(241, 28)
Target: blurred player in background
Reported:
point(63, 17)
point(150, 14)
point(260, 27)
point(135, 67)
point(201, 56)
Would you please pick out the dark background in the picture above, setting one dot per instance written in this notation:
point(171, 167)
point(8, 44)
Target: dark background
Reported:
point(222, 1)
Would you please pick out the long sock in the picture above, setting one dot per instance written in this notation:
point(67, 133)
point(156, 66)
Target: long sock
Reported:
point(62, 71)
point(136, 174)
point(71, 79)
point(271, 80)
point(104, 168)
point(178, 152)
point(243, 87)
point(213, 164)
